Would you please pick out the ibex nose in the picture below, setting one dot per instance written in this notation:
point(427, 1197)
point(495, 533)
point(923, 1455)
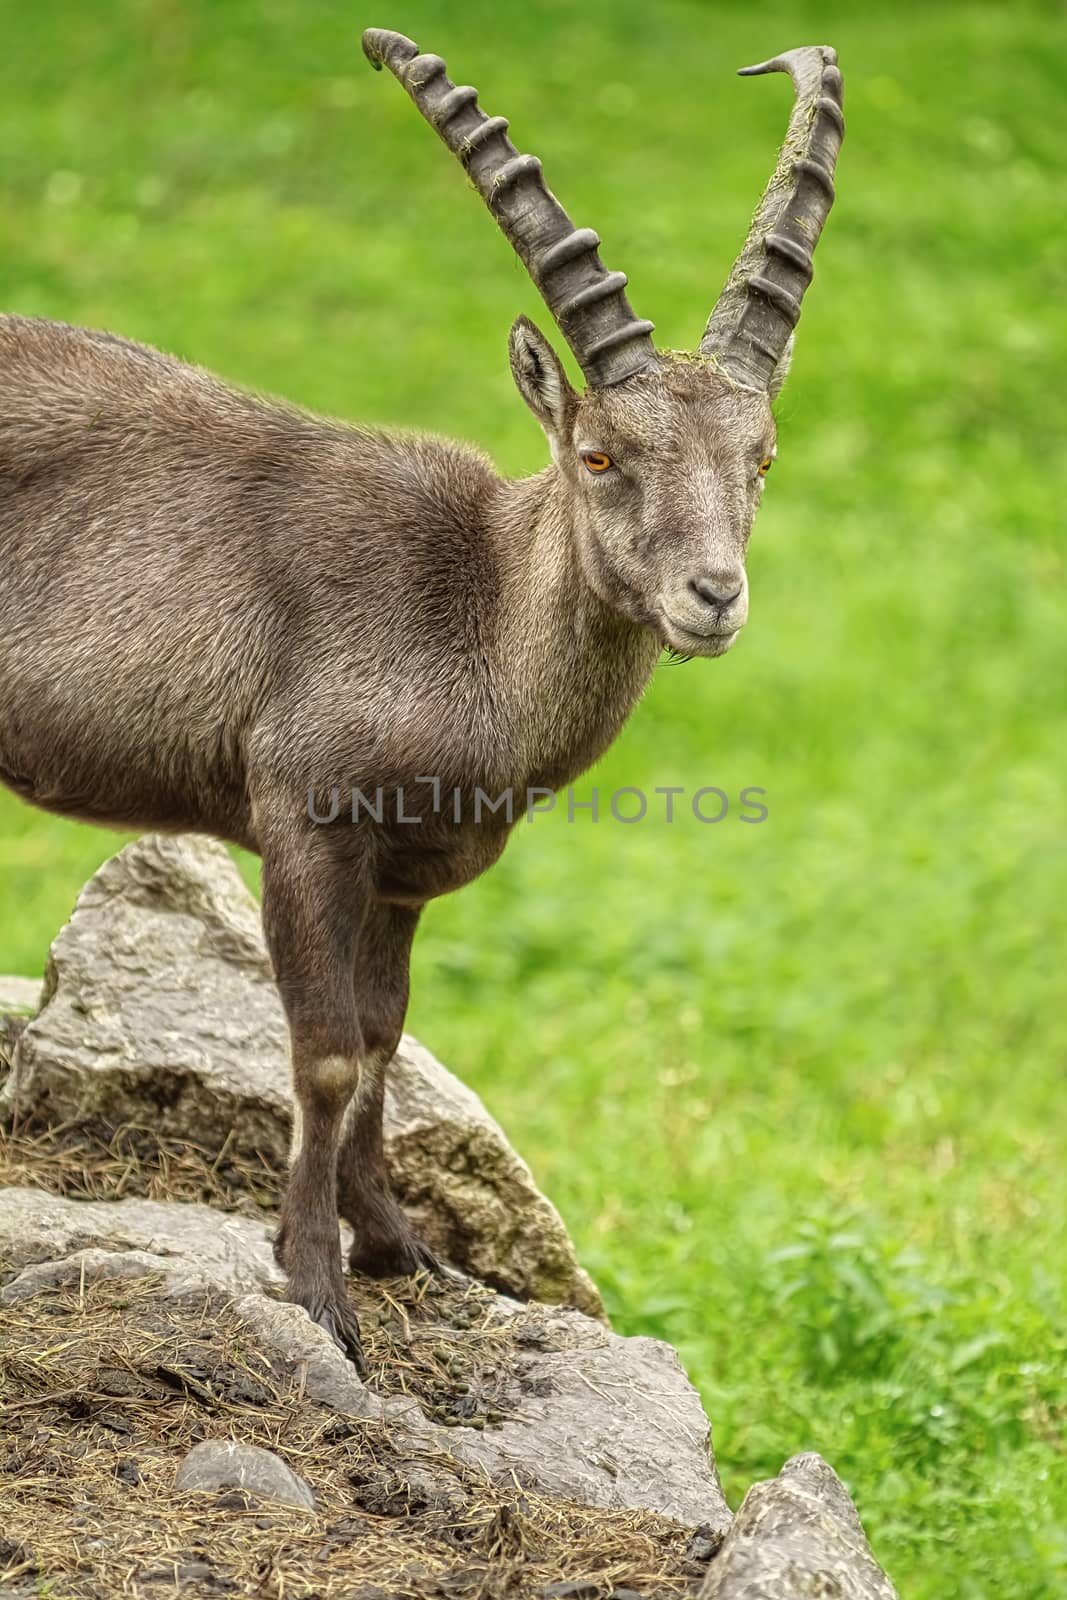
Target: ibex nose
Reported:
point(718, 589)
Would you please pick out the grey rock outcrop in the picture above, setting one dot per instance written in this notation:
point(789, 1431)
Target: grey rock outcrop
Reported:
point(192, 1246)
point(614, 1420)
point(796, 1536)
point(468, 1192)
point(160, 1007)
point(608, 1421)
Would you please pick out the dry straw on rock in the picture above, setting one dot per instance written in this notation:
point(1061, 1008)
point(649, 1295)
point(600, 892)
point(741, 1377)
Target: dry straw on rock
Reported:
point(106, 1387)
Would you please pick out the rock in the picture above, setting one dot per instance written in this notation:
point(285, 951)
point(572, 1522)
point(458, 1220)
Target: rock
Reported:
point(160, 1009)
point(326, 1375)
point(797, 1536)
point(608, 1421)
point(51, 1238)
point(231, 1464)
point(89, 1265)
point(604, 1420)
point(472, 1198)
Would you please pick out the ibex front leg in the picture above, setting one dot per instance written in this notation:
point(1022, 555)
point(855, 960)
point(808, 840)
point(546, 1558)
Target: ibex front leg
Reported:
point(313, 902)
point(385, 1244)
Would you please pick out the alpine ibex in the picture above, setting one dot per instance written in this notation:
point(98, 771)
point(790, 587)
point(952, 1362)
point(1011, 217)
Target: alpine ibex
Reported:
point(212, 604)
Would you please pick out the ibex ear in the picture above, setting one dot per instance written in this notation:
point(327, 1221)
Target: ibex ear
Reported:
point(541, 379)
point(781, 371)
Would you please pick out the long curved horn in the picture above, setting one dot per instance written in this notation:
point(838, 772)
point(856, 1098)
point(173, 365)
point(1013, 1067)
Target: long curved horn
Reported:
point(588, 302)
point(749, 329)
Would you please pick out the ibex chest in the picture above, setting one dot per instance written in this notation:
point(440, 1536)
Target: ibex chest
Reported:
point(442, 850)
point(436, 835)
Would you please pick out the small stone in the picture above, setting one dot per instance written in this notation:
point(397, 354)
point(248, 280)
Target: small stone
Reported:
point(229, 1464)
point(704, 1543)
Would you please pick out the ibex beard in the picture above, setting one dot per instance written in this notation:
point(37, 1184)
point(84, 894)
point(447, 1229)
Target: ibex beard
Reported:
point(212, 604)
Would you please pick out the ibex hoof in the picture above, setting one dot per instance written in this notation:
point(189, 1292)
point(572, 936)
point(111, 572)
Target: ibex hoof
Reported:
point(330, 1309)
point(394, 1258)
point(342, 1324)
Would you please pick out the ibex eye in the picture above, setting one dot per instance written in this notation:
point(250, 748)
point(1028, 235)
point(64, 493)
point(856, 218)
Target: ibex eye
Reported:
point(596, 461)
point(765, 466)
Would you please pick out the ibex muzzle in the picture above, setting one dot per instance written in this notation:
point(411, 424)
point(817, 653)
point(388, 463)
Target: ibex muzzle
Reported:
point(212, 605)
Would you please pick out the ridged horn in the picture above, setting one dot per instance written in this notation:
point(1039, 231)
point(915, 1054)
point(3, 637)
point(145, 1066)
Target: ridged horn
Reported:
point(749, 329)
point(587, 301)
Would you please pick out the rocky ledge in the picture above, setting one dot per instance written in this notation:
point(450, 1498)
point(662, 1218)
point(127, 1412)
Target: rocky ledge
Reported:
point(208, 1436)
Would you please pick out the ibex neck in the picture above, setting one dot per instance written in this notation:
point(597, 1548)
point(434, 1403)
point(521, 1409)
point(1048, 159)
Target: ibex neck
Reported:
point(576, 668)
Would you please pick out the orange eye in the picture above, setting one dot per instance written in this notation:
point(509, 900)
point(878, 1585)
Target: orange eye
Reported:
point(765, 466)
point(597, 461)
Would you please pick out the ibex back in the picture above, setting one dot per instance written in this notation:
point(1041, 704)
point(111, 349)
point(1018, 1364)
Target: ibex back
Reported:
point(212, 604)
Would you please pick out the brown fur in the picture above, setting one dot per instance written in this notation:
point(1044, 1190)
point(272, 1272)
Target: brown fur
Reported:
point(211, 603)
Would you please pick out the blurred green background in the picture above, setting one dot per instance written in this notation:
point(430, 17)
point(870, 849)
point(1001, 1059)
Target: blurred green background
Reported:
point(797, 1088)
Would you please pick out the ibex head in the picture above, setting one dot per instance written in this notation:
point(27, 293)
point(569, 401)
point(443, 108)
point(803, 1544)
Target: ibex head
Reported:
point(665, 454)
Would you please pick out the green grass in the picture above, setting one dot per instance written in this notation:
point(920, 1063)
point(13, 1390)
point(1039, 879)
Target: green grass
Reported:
point(797, 1088)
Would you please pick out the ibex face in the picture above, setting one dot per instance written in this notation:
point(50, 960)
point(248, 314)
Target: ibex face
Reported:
point(666, 471)
point(664, 456)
